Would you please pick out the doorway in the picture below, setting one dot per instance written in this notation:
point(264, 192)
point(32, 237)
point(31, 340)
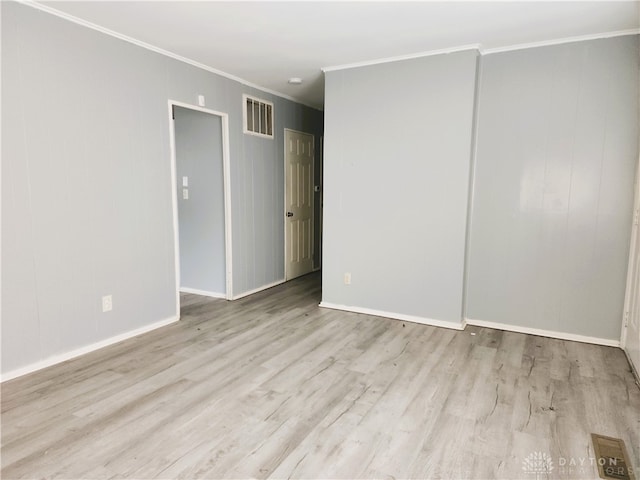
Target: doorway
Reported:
point(299, 202)
point(201, 206)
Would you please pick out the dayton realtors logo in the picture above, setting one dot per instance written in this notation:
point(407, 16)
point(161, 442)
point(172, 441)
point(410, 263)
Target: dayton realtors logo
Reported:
point(538, 464)
point(541, 465)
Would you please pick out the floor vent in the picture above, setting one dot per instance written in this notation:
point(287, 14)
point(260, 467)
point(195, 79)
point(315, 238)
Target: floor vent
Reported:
point(612, 458)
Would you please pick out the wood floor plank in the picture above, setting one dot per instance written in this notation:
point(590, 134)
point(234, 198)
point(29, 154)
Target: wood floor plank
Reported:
point(272, 386)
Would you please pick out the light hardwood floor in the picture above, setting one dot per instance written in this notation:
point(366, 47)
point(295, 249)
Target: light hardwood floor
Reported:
point(273, 386)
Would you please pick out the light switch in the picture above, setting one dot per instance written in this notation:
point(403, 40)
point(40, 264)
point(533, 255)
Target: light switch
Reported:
point(185, 194)
point(185, 181)
point(201, 100)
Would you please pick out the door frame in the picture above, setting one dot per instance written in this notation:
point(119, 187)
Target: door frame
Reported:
point(284, 196)
point(321, 200)
point(634, 252)
point(226, 187)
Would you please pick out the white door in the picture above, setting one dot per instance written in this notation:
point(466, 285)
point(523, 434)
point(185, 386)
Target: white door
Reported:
point(298, 159)
point(631, 333)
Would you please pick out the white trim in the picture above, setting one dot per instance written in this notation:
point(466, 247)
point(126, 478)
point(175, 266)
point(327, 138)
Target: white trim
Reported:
point(560, 41)
point(204, 293)
point(226, 166)
point(174, 206)
point(180, 58)
point(63, 357)
point(396, 316)
point(228, 232)
point(635, 231)
point(259, 289)
point(321, 200)
point(488, 51)
point(574, 337)
point(313, 197)
point(161, 51)
point(634, 371)
point(473, 152)
point(399, 58)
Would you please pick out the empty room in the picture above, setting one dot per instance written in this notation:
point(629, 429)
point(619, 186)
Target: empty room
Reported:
point(320, 240)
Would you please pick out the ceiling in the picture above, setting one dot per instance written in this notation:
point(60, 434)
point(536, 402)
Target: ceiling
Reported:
point(266, 43)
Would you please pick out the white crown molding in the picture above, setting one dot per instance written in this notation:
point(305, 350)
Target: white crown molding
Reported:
point(161, 51)
point(483, 51)
point(478, 47)
point(442, 51)
point(560, 41)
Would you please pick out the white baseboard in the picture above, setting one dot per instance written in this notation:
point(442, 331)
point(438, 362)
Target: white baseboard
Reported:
point(259, 289)
point(544, 333)
point(63, 357)
point(195, 291)
point(395, 316)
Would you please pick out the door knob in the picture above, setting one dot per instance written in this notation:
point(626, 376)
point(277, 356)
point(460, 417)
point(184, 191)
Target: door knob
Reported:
point(289, 214)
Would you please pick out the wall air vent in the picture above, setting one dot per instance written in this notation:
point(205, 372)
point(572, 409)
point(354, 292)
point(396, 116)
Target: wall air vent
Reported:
point(258, 117)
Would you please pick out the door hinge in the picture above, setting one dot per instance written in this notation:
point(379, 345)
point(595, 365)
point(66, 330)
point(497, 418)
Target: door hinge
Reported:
point(626, 318)
point(636, 217)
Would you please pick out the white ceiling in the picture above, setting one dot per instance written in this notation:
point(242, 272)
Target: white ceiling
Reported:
point(267, 42)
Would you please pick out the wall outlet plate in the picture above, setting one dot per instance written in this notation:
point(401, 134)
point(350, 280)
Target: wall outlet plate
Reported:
point(107, 303)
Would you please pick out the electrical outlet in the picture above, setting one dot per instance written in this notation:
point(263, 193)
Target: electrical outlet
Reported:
point(107, 303)
point(347, 278)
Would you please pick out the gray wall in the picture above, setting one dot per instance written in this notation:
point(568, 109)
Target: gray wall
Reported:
point(198, 142)
point(556, 155)
point(552, 188)
point(86, 184)
point(396, 180)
